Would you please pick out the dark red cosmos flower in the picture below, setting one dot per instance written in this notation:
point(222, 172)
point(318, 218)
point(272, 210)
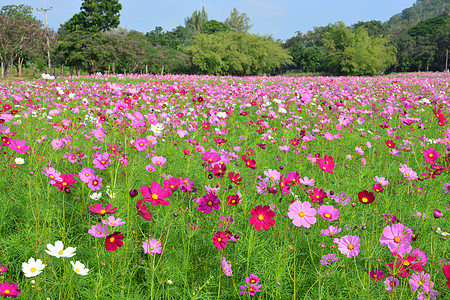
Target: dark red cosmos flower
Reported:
point(262, 146)
point(233, 200)
point(219, 170)
point(220, 141)
point(68, 180)
point(113, 241)
point(366, 197)
point(390, 143)
point(249, 163)
point(262, 216)
point(378, 188)
point(250, 151)
point(294, 142)
point(141, 208)
point(326, 164)
point(235, 178)
point(220, 240)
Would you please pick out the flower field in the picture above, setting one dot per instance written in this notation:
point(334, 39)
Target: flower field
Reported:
point(201, 187)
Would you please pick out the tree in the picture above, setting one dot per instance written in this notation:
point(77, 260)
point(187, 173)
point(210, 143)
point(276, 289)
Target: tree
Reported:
point(232, 53)
point(213, 26)
point(307, 59)
point(355, 53)
point(18, 35)
point(196, 21)
point(95, 16)
point(238, 22)
point(17, 11)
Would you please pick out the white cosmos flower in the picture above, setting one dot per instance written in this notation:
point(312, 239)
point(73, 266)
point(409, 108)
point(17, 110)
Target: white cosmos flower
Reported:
point(95, 196)
point(19, 161)
point(58, 250)
point(33, 267)
point(79, 268)
point(222, 114)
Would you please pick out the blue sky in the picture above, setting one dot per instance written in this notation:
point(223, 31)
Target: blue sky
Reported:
point(281, 19)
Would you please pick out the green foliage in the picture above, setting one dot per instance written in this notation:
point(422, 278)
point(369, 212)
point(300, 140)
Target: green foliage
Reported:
point(196, 21)
point(213, 26)
point(307, 59)
point(17, 11)
point(374, 28)
point(236, 54)
point(238, 22)
point(95, 16)
point(420, 11)
point(354, 52)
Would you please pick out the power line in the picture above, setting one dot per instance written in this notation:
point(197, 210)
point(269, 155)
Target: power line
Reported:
point(48, 39)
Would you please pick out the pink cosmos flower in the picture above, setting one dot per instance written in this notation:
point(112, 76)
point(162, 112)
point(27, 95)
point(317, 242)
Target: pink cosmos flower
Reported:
point(272, 174)
point(113, 222)
point(101, 161)
point(99, 210)
point(421, 282)
point(85, 173)
point(156, 194)
point(172, 184)
point(381, 180)
point(54, 175)
point(328, 259)
point(302, 214)
point(348, 245)
point(95, 182)
point(57, 144)
point(159, 160)
point(398, 238)
point(306, 181)
point(98, 231)
point(226, 267)
point(7, 289)
point(151, 247)
point(328, 212)
point(330, 231)
point(391, 283)
point(141, 144)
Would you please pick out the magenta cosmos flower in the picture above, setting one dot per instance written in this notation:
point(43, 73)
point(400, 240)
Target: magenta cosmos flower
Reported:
point(85, 173)
point(302, 214)
point(430, 155)
point(99, 210)
point(220, 240)
point(156, 194)
point(348, 245)
point(7, 289)
point(208, 203)
point(328, 212)
point(398, 238)
point(262, 216)
point(152, 247)
point(95, 182)
point(330, 231)
point(19, 146)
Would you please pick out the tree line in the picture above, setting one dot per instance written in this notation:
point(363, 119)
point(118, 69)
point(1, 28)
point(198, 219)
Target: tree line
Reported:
point(91, 41)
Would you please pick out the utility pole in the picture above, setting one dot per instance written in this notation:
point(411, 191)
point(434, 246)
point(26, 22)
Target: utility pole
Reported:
point(48, 39)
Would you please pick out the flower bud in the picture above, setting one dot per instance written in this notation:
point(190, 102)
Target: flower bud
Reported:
point(437, 213)
point(133, 193)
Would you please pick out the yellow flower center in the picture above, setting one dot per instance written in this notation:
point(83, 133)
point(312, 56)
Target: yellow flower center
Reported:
point(219, 239)
point(98, 232)
point(151, 248)
point(350, 246)
point(406, 263)
point(420, 282)
point(111, 240)
point(375, 275)
point(155, 196)
point(33, 270)
point(102, 211)
point(260, 217)
point(430, 155)
point(77, 270)
point(301, 214)
point(172, 186)
point(331, 233)
point(64, 183)
point(60, 252)
point(6, 292)
point(209, 203)
point(87, 174)
point(364, 199)
point(397, 239)
point(327, 215)
point(112, 223)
